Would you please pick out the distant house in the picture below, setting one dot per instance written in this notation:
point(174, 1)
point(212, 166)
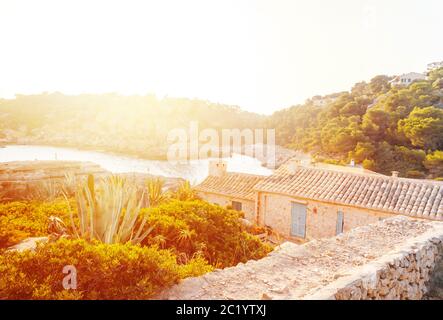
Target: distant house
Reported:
point(321, 101)
point(407, 78)
point(304, 201)
point(435, 65)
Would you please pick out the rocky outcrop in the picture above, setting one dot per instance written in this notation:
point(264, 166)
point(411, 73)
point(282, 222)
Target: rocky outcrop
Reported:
point(38, 170)
point(23, 179)
point(392, 259)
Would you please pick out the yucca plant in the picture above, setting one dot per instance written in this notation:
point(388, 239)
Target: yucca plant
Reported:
point(70, 183)
point(109, 212)
point(160, 240)
point(184, 239)
point(185, 192)
point(156, 194)
point(185, 235)
point(45, 190)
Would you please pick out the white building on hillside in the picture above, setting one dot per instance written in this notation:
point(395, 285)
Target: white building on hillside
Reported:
point(435, 65)
point(407, 78)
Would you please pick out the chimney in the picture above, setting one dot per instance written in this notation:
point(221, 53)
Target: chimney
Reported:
point(217, 168)
point(395, 174)
point(307, 162)
point(293, 165)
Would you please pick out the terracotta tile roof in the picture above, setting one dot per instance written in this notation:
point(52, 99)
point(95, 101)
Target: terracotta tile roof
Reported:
point(238, 185)
point(420, 198)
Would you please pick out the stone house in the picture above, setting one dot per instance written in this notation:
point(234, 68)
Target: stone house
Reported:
point(308, 201)
point(229, 189)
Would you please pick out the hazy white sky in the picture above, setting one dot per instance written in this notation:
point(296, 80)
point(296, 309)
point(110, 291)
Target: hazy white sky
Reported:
point(262, 55)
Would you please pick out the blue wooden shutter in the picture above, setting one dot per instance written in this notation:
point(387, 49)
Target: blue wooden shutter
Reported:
point(298, 223)
point(236, 205)
point(340, 222)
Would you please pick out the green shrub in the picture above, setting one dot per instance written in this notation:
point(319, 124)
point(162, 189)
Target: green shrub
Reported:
point(104, 271)
point(19, 220)
point(196, 227)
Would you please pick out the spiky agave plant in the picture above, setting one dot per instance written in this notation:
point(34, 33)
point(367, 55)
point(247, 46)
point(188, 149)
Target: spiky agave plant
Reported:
point(69, 183)
point(109, 212)
point(156, 195)
point(45, 190)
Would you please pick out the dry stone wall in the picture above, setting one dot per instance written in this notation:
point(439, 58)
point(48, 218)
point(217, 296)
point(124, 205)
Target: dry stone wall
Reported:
point(404, 274)
point(397, 258)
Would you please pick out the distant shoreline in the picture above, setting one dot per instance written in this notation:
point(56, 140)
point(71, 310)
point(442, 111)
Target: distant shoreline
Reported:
point(101, 149)
point(156, 154)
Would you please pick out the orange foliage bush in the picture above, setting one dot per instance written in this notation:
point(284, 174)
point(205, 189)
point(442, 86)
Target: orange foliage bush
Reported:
point(196, 227)
point(189, 238)
point(19, 220)
point(104, 271)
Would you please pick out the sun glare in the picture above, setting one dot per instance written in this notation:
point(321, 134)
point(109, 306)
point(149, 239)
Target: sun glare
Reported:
point(260, 55)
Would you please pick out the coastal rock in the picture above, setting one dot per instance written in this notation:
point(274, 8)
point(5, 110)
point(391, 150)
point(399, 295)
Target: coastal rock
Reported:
point(23, 180)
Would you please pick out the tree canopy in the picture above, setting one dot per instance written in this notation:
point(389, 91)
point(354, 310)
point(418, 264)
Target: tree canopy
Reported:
point(383, 128)
point(380, 126)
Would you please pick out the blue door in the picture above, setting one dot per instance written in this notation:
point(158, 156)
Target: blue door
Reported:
point(298, 225)
point(340, 223)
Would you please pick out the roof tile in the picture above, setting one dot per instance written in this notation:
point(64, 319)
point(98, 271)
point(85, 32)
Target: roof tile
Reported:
point(238, 185)
point(421, 198)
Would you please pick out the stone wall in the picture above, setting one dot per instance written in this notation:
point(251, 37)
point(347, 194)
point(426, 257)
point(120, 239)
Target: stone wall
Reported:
point(397, 258)
point(321, 220)
point(435, 284)
point(248, 206)
point(402, 275)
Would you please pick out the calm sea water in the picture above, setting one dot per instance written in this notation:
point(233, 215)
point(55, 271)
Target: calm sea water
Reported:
point(194, 171)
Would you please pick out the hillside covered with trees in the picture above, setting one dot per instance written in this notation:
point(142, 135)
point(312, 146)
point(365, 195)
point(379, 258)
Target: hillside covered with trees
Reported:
point(383, 128)
point(132, 125)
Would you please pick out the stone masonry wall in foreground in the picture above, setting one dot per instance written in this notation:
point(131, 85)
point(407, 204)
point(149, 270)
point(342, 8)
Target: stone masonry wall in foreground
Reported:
point(392, 259)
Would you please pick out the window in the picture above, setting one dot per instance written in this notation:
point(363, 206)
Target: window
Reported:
point(340, 223)
point(236, 205)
